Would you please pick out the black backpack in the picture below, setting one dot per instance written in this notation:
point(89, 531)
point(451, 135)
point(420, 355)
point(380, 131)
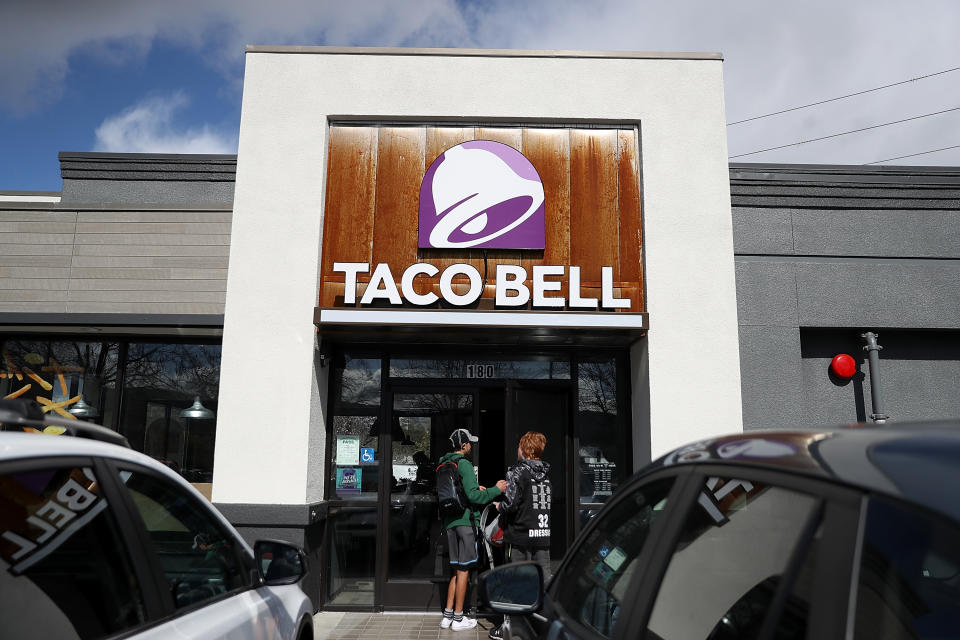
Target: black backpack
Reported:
point(451, 498)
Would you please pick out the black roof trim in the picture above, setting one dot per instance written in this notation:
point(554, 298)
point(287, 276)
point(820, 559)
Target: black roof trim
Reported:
point(838, 173)
point(148, 166)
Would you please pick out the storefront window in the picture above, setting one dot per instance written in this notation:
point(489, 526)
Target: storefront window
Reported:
point(168, 401)
point(603, 440)
point(351, 567)
point(170, 396)
point(70, 379)
point(359, 382)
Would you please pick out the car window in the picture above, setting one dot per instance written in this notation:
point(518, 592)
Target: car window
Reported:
point(909, 578)
point(730, 561)
point(65, 571)
point(198, 557)
point(592, 585)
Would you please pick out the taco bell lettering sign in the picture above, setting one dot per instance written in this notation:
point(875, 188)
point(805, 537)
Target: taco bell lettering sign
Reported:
point(484, 195)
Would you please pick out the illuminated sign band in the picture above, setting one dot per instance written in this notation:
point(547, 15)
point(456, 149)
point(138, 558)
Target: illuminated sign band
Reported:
point(509, 284)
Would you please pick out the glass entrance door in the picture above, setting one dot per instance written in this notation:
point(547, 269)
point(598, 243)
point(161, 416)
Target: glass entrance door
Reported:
point(416, 549)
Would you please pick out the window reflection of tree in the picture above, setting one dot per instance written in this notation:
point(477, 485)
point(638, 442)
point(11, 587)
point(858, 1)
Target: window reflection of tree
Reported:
point(597, 388)
point(93, 362)
point(193, 369)
point(360, 381)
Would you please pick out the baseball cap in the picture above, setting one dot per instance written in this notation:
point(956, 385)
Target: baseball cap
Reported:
point(461, 436)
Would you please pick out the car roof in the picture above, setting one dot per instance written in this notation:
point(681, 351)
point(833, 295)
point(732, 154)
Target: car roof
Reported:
point(915, 461)
point(14, 446)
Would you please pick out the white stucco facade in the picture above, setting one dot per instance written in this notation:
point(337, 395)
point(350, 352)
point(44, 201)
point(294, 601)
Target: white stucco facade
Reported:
point(272, 395)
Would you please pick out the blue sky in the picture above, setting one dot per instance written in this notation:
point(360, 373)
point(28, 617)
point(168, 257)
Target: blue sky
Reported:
point(150, 76)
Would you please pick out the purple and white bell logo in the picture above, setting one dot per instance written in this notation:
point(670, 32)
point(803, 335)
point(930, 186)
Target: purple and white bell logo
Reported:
point(481, 194)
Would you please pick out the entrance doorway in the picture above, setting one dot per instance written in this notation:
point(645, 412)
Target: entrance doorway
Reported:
point(416, 556)
point(390, 425)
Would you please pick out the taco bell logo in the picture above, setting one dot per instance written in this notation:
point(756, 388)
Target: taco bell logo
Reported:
point(481, 194)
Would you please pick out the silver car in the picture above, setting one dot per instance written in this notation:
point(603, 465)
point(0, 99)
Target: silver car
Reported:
point(97, 540)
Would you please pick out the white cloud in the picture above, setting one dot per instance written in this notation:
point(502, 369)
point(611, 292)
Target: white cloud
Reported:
point(39, 37)
point(777, 55)
point(149, 127)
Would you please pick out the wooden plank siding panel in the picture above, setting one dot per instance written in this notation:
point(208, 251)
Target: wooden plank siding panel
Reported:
point(593, 203)
point(400, 158)
point(631, 227)
point(350, 201)
point(549, 152)
point(591, 184)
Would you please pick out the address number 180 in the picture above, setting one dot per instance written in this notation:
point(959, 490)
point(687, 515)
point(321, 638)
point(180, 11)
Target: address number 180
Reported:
point(481, 371)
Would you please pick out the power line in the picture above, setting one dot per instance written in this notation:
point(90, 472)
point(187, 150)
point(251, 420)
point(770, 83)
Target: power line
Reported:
point(849, 95)
point(844, 133)
point(910, 155)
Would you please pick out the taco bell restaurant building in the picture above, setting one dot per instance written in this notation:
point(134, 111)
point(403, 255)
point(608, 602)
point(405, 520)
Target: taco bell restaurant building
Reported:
point(417, 240)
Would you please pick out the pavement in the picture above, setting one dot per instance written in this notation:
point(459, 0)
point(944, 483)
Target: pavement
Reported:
point(329, 625)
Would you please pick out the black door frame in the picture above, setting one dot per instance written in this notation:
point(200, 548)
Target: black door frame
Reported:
point(407, 594)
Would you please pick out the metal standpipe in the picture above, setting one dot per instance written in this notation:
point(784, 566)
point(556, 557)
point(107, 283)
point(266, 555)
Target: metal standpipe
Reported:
point(873, 357)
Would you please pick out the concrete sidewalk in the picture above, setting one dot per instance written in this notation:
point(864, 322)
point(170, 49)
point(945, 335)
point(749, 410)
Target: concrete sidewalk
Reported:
point(330, 625)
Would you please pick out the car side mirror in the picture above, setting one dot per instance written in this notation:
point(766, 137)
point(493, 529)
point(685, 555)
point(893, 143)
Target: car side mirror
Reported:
point(279, 562)
point(515, 588)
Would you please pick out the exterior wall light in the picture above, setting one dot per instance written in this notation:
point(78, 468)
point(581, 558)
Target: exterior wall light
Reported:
point(843, 366)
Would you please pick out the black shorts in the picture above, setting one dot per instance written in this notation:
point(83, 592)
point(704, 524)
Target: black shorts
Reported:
point(462, 542)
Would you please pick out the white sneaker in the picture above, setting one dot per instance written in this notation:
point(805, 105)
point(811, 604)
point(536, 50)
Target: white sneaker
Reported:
point(463, 625)
point(445, 622)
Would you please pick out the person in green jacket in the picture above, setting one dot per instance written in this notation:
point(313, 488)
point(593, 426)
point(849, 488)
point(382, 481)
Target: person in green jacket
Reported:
point(462, 530)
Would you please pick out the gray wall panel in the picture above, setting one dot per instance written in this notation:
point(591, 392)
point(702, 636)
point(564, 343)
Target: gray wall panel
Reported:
point(34, 226)
point(770, 377)
point(56, 284)
point(137, 262)
point(45, 259)
point(190, 262)
point(107, 284)
point(34, 252)
point(148, 273)
point(766, 293)
point(157, 295)
point(37, 238)
point(762, 231)
point(151, 239)
point(33, 215)
point(155, 216)
point(164, 308)
point(30, 295)
point(33, 307)
point(896, 233)
point(34, 271)
point(150, 250)
point(178, 228)
point(866, 294)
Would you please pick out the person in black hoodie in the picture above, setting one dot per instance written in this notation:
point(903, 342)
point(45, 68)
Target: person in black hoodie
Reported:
point(525, 508)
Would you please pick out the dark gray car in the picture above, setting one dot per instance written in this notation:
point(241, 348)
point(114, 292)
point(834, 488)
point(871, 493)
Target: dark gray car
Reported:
point(849, 532)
